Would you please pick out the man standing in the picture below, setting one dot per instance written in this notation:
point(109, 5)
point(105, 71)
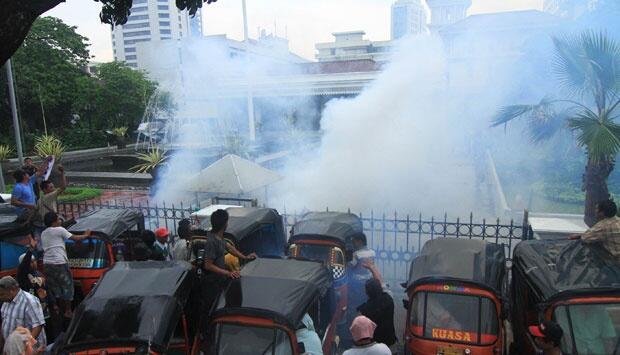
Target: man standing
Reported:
point(47, 203)
point(380, 309)
point(180, 248)
point(548, 337)
point(20, 309)
point(161, 245)
point(607, 230)
point(214, 265)
point(23, 197)
point(59, 279)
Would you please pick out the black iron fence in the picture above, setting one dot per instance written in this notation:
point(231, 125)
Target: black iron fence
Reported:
point(395, 238)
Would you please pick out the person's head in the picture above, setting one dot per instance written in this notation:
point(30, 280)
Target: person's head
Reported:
point(148, 237)
point(20, 176)
point(51, 219)
point(547, 335)
point(28, 162)
point(19, 342)
point(162, 234)
point(33, 261)
point(47, 187)
point(606, 209)
point(362, 329)
point(185, 229)
point(8, 289)
point(359, 241)
point(219, 221)
point(373, 288)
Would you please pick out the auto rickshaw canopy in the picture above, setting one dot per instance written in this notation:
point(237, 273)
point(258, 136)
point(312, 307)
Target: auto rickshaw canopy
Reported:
point(467, 260)
point(108, 223)
point(277, 289)
point(243, 221)
point(133, 303)
point(338, 226)
point(555, 269)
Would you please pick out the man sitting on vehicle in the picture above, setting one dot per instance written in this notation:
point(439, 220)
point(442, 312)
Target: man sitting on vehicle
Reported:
point(607, 230)
point(548, 337)
point(59, 279)
point(23, 196)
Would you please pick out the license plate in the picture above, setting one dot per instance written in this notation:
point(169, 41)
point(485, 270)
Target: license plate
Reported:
point(449, 351)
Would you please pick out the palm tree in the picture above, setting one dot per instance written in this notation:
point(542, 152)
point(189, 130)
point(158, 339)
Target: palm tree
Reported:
point(587, 67)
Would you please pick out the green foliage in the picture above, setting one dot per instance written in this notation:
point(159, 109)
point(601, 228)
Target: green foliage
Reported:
point(119, 131)
point(48, 145)
point(78, 194)
point(150, 160)
point(235, 144)
point(5, 151)
point(588, 68)
point(83, 138)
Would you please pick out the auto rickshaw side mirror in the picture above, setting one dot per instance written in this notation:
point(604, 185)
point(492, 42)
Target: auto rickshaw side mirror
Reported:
point(405, 303)
point(301, 348)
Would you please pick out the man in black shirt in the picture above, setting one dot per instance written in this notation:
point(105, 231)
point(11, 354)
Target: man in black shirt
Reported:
point(215, 271)
point(380, 309)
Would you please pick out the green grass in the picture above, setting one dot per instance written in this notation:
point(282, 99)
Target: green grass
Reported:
point(72, 194)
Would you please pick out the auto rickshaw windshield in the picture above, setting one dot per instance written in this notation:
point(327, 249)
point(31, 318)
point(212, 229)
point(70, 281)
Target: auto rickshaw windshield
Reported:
point(250, 340)
point(454, 317)
point(589, 328)
point(89, 254)
point(324, 253)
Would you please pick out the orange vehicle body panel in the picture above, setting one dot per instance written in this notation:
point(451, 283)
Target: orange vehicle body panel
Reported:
point(86, 278)
point(453, 338)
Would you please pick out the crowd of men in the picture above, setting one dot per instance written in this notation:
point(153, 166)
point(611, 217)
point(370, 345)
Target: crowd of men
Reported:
point(37, 306)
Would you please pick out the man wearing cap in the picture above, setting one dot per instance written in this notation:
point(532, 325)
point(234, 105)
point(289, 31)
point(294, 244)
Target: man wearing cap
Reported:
point(363, 329)
point(161, 245)
point(548, 337)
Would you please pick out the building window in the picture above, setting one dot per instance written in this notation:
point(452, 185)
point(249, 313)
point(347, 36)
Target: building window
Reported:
point(137, 33)
point(162, 0)
point(137, 17)
point(165, 37)
point(139, 9)
point(134, 41)
point(130, 50)
point(164, 32)
point(164, 23)
point(130, 57)
point(164, 15)
point(133, 65)
point(137, 2)
point(162, 7)
point(136, 25)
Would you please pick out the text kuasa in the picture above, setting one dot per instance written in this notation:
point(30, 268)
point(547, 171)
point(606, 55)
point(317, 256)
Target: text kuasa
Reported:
point(448, 334)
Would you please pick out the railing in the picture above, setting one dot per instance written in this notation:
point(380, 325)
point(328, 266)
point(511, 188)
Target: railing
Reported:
point(396, 239)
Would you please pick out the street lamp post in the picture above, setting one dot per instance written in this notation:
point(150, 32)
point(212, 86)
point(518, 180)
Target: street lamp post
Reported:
point(17, 130)
point(250, 96)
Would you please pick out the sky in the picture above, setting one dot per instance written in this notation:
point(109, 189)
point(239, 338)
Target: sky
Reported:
point(303, 22)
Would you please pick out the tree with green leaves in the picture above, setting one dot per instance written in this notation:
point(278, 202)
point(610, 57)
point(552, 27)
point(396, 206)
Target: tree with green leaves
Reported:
point(17, 16)
point(587, 67)
point(46, 68)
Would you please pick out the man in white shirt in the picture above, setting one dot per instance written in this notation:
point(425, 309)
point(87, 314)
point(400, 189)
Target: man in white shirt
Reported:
point(55, 261)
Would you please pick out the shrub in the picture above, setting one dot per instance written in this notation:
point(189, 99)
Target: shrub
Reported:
point(78, 194)
point(49, 145)
point(5, 152)
point(150, 160)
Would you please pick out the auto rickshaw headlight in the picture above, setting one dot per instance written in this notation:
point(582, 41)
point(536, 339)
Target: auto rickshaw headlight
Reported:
point(467, 352)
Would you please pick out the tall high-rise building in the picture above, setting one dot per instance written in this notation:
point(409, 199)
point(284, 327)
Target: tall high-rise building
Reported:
point(152, 20)
point(408, 17)
point(446, 12)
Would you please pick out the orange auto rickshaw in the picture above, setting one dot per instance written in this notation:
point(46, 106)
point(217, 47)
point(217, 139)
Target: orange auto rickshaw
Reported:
point(136, 308)
point(577, 285)
point(114, 231)
point(454, 291)
point(264, 310)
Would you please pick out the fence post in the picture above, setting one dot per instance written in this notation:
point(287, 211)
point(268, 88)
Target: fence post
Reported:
point(525, 232)
point(458, 227)
point(445, 224)
point(420, 232)
point(407, 233)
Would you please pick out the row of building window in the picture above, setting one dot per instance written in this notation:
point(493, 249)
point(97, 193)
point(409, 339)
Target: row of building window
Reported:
point(130, 49)
point(134, 41)
point(164, 15)
point(137, 2)
point(163, 7)
point(130, 57)
point(137, 33)
point(137, 18)
point(136, 25)
point(164, 23)
point(139, 9)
